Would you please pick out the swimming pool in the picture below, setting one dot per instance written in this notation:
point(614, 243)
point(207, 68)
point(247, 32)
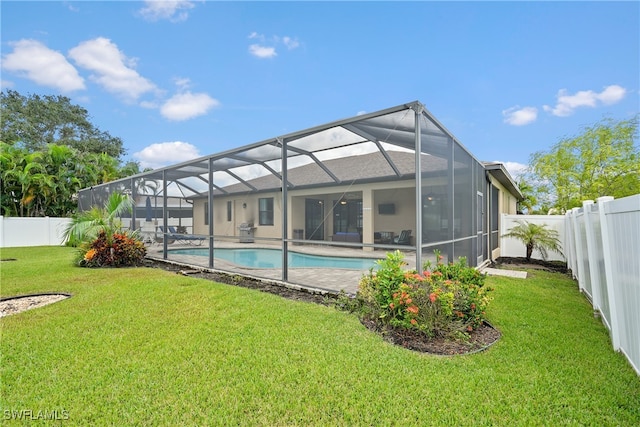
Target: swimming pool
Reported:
point(272, 258)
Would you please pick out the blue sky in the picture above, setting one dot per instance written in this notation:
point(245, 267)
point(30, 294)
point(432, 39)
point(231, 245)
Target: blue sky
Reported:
point(182, 79)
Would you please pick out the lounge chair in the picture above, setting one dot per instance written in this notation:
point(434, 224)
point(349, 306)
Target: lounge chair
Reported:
point(185, 239)
point(403, 239)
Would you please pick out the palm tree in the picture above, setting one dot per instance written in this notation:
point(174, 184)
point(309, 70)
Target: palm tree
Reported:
point(536, 237)
point(85, 226)
point(529, 199)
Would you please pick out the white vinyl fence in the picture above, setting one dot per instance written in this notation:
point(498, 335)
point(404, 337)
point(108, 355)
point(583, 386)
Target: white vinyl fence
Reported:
point(27, 231)
point(602, 246)
point(48, 231)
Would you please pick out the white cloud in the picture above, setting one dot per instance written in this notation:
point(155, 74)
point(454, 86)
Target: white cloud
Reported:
point(36, 62)
point(166, 153)
point(183, 83)
point(612, 94)
point(266, 48)
point(290, 43)
point(262, 51)
point(113, 70)
point(187, 105)
point(517, 116)
point(174, 11)
point(567, 104)
point(515, 169)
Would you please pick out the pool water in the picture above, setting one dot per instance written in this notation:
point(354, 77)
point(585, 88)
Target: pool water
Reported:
point(272, 258)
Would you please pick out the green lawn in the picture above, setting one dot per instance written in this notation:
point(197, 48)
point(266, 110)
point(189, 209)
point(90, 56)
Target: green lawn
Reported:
point(148, 347)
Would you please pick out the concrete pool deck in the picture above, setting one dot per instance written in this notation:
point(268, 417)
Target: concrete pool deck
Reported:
point(323, 280)
point(332, 280)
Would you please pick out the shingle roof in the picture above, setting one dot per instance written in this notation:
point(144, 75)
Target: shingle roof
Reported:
point(360, 168)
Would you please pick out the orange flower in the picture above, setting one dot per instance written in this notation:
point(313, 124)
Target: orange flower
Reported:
point(408, 301)
point(91, 253)
point(433, 297)
point(392, 306)
point(414, 321)
point(413, 309)
point(473, 306)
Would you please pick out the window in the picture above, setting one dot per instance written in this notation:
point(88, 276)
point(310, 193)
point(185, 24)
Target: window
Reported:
point(229, 211)
point(265, 211)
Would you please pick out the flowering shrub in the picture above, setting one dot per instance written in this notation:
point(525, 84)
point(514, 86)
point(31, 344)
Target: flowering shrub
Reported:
point(117, 250)
point(447, 300)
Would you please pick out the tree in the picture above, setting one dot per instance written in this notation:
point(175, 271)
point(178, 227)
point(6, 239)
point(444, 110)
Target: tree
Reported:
point(529, 199)
point(101, 239)
point(602, 161)
point(535, 237)
point(86, 226)
point(43, 183)
point(36, 121)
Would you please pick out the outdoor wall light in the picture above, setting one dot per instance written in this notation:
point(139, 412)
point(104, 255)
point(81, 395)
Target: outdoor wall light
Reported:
point(244, 206)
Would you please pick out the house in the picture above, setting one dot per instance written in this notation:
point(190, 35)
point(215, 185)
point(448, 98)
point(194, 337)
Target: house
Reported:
point(346, 184)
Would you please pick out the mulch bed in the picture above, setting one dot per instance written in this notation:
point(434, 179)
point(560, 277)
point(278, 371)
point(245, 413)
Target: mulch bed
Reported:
point(479, 339)
point(536, 264)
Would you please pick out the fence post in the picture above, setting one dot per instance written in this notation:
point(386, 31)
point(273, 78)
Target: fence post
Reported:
point(569, 243)
point(608, 269)
point(592, 255)
point(579, 274)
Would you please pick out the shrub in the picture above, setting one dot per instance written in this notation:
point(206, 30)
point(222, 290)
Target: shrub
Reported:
point(116, 250)
point(445, 300)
